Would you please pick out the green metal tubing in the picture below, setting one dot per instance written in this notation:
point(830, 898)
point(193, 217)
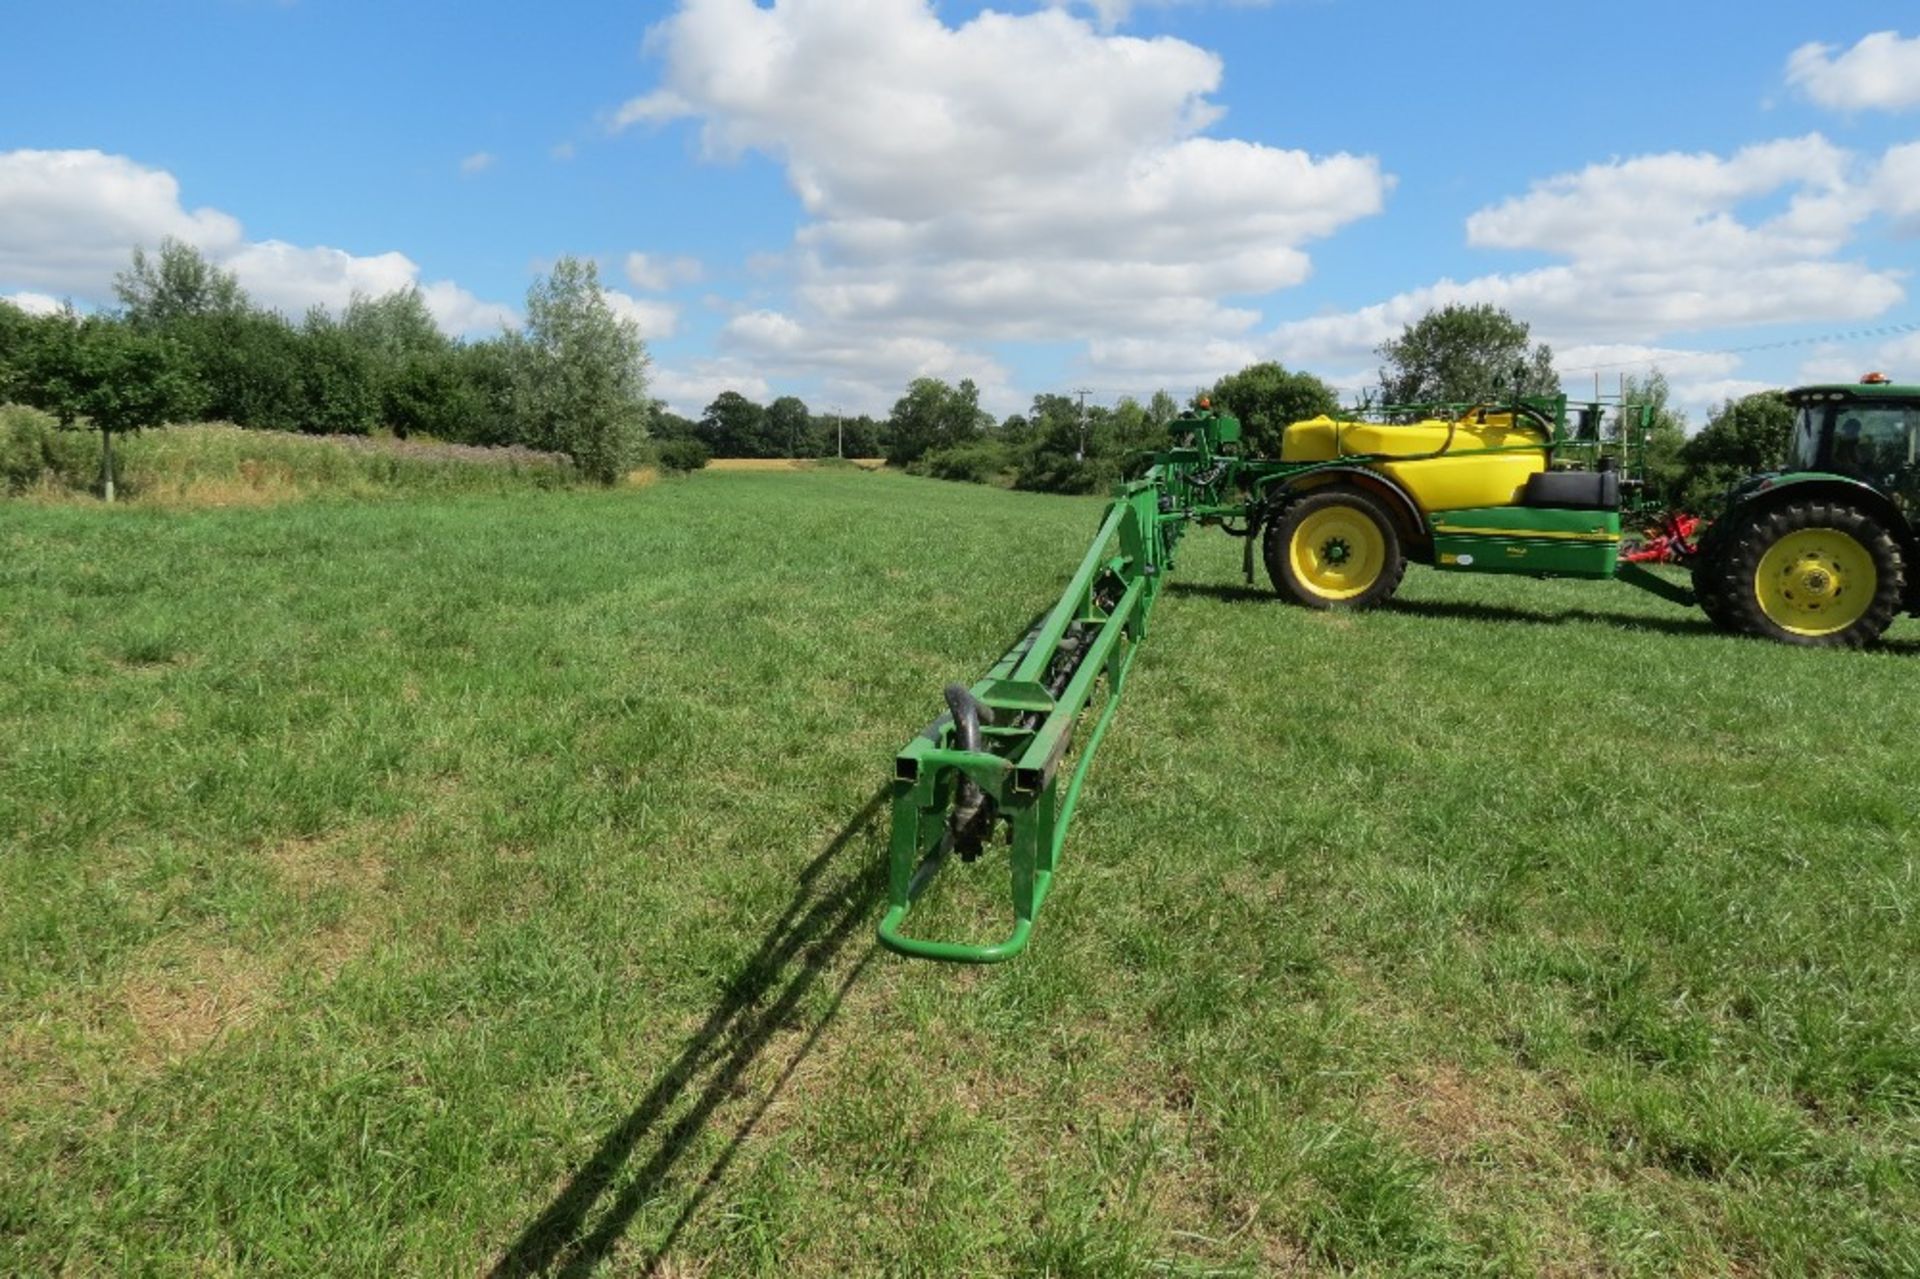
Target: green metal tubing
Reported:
point(1033, 667)
point(1018, 767)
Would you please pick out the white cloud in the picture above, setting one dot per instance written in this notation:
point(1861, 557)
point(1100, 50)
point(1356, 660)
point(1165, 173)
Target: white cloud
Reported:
point(655, 319)
point(1111, 13)
point(291, 278)
point(1019, 176)
point(1842, 361)
point(863, 371)
point(478, 162)
point(562, 151)
point(1903, 353)
point(1706, 395)
point(459, 312)
point(1881, 72)
point(32, 303)
point(1655, 245)
point(766, 331)
point(1896, 186)
point(690, 388)
point(1828, 363)
point(1579, 364)
point(656, 273)
point(1137, 364)
point(70, 220)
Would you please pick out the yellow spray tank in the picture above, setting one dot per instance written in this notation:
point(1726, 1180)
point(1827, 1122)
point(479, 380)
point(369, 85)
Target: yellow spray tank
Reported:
point(1443, 465)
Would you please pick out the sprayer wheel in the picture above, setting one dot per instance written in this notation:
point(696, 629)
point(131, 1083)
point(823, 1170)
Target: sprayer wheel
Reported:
point(1335, 547)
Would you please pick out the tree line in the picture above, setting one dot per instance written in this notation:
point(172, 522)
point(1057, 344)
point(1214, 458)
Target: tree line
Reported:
point(1454, 354)
point(187, 344)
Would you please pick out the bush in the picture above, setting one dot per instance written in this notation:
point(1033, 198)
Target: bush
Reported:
point(979, 462)
point(34, 451)
point(683, 455)
point(1049, 471)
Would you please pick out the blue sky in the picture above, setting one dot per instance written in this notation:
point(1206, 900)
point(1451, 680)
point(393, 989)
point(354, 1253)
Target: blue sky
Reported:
point(830, 197)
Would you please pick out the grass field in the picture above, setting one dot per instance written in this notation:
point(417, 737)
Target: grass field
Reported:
point(487, 884)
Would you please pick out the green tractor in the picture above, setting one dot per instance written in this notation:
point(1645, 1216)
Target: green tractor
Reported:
point(1825, 552)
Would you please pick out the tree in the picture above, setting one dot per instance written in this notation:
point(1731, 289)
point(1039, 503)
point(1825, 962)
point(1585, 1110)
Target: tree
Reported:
point(1162, 408)
point(790, 426)
point(411, 363)
point(395, 326)
point(176, 284)
point(734, 426)
point(1666, 436)
point(933, 415)
point(488, 373)
point(111, 377)
point(1463, 355)
point(583, 381)
point(668, 425)
point(249, 363)
point(1070, 451)
point(1267, 399)
point(339, 384)
point(861, 436)
point(1752, 433)
point(18, 331)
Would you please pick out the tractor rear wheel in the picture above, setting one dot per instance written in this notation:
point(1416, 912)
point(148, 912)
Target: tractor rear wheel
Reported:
point(1335, 547)
point(1809, 573)
point(1709, 581)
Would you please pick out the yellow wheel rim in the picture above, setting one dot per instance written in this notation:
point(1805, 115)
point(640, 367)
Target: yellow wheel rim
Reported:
point(1337, 552)
point(1816, 581)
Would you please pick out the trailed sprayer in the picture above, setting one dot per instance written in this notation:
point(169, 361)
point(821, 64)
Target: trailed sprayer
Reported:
point(1818, 554)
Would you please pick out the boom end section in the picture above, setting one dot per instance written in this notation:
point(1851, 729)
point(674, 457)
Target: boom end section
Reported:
point(996, 764)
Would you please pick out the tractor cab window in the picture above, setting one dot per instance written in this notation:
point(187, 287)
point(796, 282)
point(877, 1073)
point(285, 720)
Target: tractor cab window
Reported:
point(1874, 443)
point(1806, 438)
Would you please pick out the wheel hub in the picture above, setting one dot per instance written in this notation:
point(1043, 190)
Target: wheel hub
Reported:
point(1815, 581)
point(1336, 551)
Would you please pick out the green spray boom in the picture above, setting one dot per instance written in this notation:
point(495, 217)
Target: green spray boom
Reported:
point(1003, 759)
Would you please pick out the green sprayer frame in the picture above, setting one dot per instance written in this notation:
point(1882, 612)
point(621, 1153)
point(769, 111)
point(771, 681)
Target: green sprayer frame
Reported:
point(1028, 706)
point(1003, 758)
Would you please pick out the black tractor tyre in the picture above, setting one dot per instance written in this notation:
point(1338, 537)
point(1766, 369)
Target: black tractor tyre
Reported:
point(1709, 581)
point(1321, 507)
point(1728, 586)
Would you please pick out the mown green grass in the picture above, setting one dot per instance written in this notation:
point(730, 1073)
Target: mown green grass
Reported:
point(488, 885)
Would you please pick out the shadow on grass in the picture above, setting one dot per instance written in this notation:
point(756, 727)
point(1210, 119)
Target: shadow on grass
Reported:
point(1687, 620)
point(1226, 592)
point(1467, 611)
point(1691, 623)
point(634, 1160)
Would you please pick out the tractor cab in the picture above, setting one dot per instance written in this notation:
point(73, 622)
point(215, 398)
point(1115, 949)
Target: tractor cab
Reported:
point(1868, 432)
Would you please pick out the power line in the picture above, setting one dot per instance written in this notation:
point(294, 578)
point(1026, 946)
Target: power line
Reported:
point(1848, 335)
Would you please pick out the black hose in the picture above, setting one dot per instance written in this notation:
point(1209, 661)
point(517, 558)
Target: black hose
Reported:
point(970, 821)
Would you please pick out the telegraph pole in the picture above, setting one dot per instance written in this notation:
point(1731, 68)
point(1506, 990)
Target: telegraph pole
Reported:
point(1083, 393)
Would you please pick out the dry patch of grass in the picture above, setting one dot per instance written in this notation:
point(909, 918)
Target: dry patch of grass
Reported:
point(1498, 1138)
point(789, 463)
point(185, 994)
point(344, 866)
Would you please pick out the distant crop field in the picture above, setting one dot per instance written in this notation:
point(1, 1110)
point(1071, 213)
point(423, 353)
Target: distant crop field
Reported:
point(792, 463)
point(486, 884)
